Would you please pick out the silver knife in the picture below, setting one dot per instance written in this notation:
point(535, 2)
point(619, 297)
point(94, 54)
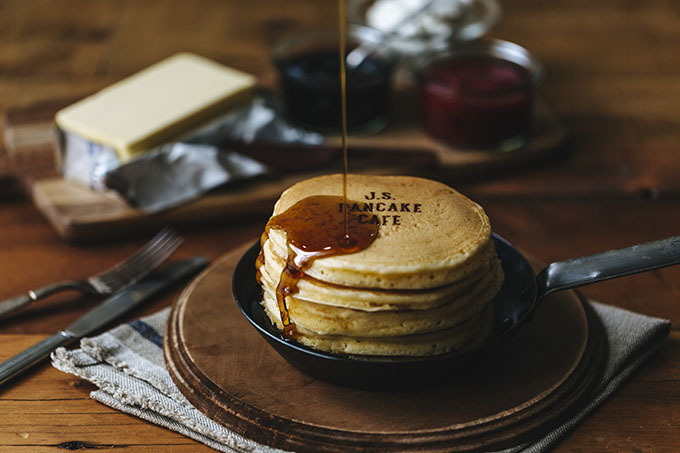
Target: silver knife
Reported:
point(104, 313)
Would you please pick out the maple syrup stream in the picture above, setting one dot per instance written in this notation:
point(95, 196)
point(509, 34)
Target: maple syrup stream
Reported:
point(320, 225)
point(342, 28)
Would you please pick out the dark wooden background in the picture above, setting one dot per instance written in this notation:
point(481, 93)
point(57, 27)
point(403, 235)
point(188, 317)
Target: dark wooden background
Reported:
point(613, 75)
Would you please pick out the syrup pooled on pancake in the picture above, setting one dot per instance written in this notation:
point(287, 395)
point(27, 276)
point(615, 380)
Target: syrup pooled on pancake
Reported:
point(315, 227)
point(318, 226)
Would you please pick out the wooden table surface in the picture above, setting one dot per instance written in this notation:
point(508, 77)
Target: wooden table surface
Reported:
point(613, 75)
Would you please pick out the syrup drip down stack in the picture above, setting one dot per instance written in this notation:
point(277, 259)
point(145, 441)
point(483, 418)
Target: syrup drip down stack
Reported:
point(422, 286)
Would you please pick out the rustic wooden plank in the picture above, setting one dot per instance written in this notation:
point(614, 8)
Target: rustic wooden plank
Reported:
point(45, 383)
point(29, 244)
point(611, 170)
point(128, 447)
point(561, 229)
point(642, 415)
point(601, 75)
point(30, 418)
point(230, 32)
point(625, 74)
point(585, 39)
point(47, 408)
point(550, 230)
point(91, 422)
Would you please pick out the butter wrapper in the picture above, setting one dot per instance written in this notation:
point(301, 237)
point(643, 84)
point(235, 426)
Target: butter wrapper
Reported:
point(84, 162)
point(178, 173)
point(181, 171)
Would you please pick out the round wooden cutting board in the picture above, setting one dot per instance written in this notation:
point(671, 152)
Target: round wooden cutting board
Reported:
point(512, 394)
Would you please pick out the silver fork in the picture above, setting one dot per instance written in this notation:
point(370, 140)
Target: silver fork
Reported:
point(125, 273)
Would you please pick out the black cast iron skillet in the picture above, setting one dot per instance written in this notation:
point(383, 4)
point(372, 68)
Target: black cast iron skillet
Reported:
point(520, 295)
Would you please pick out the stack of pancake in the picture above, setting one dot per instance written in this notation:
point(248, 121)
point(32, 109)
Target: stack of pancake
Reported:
point(423, 287)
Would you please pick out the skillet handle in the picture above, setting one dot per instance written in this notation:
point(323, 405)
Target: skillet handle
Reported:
point(606, 265)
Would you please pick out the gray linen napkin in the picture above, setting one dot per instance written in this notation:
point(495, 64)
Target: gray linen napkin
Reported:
point(127, 365)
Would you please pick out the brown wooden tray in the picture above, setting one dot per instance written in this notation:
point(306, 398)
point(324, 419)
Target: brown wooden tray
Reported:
point(77, 213)
point(221, 364)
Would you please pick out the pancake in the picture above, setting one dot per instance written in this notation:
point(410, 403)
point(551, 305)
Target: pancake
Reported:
point(429, 234)
point(460, 338)
point(328, 320)
point(368, 299)
point(422, 285)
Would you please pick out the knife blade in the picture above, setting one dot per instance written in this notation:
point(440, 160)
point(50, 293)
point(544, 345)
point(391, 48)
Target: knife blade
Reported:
point(107, 311)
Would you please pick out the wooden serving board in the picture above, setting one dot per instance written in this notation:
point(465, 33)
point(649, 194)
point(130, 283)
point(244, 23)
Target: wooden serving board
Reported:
point(222, 365)
point(77, 213)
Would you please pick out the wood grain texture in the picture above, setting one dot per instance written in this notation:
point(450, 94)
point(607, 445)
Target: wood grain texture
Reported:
point(637, 415)
point(52, 411)
point(612, 71)
point(220, 363)
point(78, 213)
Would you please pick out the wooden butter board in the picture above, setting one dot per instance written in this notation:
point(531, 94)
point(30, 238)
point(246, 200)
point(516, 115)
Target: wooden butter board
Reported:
point(513, 394)
point(77, 213)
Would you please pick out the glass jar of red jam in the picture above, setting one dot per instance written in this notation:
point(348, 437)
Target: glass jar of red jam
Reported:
point(309, 79)
point(479, 94)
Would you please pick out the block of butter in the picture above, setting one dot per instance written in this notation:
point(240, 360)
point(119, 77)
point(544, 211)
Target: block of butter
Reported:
point(156, 105)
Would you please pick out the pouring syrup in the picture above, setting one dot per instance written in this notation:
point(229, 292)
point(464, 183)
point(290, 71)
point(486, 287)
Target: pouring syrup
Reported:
point(315, 227)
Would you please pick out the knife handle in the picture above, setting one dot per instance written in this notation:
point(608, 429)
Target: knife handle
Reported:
point(32, 355)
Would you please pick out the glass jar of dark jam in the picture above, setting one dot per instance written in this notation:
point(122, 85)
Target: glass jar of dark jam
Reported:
point(479, 94)
point(309, 78)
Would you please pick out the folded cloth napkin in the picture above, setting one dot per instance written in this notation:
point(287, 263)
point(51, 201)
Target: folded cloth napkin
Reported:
point(127, 365)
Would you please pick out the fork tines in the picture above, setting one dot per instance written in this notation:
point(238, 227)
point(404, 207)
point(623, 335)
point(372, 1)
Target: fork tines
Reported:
point(156, 251)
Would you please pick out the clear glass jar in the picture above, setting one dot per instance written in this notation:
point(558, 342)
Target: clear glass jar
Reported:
point(308, 68)
point(479, 94)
